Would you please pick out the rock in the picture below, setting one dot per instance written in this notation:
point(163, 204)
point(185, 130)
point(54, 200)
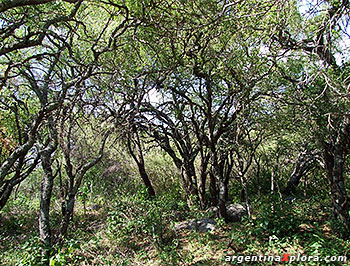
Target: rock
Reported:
point(205, 225)
point(202, 225)
point(234, 212)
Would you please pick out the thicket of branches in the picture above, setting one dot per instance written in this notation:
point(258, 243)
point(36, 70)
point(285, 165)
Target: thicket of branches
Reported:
point(227, 89)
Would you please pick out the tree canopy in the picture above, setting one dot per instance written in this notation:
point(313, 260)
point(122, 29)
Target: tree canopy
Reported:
point(233, 92)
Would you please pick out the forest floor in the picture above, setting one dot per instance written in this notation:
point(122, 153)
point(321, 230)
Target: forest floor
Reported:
point(134, 230)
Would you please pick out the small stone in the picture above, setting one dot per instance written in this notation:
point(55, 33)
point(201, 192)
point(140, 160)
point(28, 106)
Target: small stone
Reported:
point(200, 225)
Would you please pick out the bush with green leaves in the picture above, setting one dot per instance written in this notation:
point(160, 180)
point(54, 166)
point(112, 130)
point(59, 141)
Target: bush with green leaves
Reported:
point(61, 255)
point(136, 216)
point(277, 218)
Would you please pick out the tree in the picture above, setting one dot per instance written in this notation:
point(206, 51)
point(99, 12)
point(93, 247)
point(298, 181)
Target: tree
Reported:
point(203, 56)
point(76, 163)
point(319, 36)
point(21, 35)
point(133, 127)
point(305, 162)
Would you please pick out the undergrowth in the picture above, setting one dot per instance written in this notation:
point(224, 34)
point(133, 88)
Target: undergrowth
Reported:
point(133, 229)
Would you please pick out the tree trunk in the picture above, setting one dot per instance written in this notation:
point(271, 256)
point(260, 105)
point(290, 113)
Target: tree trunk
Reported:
point(246, 195)
point(222, 187)
point(5, 194)
point(258, 176)
point(213, 190)
point(203, 175)
point(190, 179)
point(45, 199)
point(222, 199)
point(335, 172)
point(190, 186)
point(145, 178)
point(273, 181)
point(226, 181)
point(73, 184)
point(303, 165)
point(138, 158)
point(46, 191)
point(201, 188)
point(67, 213)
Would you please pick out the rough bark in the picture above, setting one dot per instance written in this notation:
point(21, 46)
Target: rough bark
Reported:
point(222, 190)
point(67, 213)
point(45, 199)
point(257, 162)
point(46, 190)
point(202, 184)
point(190, 180)
point(335, 172)
point(213, 189)
point(137, 154)
point(302, 166)
point(221, 185)
point(204, 156)
point(145, 179)
point(246, 195)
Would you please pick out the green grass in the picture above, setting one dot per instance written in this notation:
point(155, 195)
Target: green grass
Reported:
point(131, 229)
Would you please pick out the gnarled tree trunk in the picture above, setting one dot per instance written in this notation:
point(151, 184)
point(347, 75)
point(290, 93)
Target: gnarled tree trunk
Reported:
point(304, 164)
point(46, 190)
point(137, 155)
point(335, 172)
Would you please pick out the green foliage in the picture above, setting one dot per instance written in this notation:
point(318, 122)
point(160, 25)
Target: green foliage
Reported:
point(31, 255)
point(66, 254)
point(220, 68)
point(338, 226)
point(132, 227)
point(288, 228)
point(60, 255)
point(277, 218)
point(135, 216)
